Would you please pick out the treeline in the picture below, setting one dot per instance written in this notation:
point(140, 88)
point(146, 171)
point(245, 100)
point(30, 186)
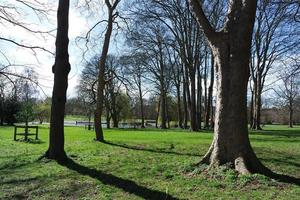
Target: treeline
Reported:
point(19, 100)
point(169, 60)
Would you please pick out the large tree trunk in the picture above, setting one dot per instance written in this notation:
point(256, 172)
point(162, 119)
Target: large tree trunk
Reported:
point(61, 70)
point(231, 51)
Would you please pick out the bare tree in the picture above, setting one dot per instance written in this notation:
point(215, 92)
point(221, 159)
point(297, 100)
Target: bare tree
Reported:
point(289, 91)
point(112, 14)
point(271, 41)
point(135, 70)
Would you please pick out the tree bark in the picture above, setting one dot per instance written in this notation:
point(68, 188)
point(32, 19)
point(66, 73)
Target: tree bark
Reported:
point(231, 51)
point(61, 70)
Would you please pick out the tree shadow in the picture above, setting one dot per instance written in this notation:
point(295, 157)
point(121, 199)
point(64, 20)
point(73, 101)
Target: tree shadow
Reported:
point(284, 178)
point(150, 150)
point(109, 179)
point(30, 141)
point(293, 133)
point(13, 165)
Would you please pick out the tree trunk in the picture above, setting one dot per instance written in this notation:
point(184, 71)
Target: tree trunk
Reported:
point(26, 130)
point(199, 98)
point(210, 94)
point(163, 109)
point(291, 114)
point(258, 109)
point(193, 107)
point(61, 70)
point(251, 109)
point(205, 86)
point(115, 120)
point(101, 79)
point(256, 103)
point(231, 51)
point(107, 119)
point(185, 107)
point(89, 125)
point(157, 114)
point(142, 106)
point(179, 111)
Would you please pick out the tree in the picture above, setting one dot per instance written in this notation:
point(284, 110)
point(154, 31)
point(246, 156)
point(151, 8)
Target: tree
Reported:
point(43, 110)
point(26, 91)
point(271, 41)
point(112, 14)
point(231, 50)
point(135, 69)
point(290, 89)
point(61, 69)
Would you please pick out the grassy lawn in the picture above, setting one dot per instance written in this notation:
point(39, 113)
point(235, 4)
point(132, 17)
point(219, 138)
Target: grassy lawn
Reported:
point(136, 165)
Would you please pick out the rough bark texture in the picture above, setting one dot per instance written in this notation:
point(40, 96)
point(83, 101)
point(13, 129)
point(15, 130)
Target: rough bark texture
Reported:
point(231, 51)
point(61, 70)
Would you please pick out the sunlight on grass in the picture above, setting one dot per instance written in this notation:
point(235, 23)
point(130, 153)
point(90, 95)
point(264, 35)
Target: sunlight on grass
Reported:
point(136, 164)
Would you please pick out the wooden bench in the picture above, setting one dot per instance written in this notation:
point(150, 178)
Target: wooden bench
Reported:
point(26, 132)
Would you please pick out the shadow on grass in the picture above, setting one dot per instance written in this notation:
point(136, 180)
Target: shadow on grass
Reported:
point(13, 165)
point(292, 133)
point(109, 179)
point(281, 161)
point(19, 181)
point(284, 178)
point(31, 141)
point(149, 150)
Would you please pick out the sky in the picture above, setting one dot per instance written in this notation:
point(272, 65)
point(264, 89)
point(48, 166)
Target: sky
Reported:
point(42, 62)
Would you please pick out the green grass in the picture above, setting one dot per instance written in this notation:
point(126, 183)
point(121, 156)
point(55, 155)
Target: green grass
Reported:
point(137, 164)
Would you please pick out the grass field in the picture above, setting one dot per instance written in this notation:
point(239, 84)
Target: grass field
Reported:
point(152, 164)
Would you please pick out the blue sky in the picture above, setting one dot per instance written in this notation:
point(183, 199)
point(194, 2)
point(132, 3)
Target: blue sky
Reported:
point(80, 23)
